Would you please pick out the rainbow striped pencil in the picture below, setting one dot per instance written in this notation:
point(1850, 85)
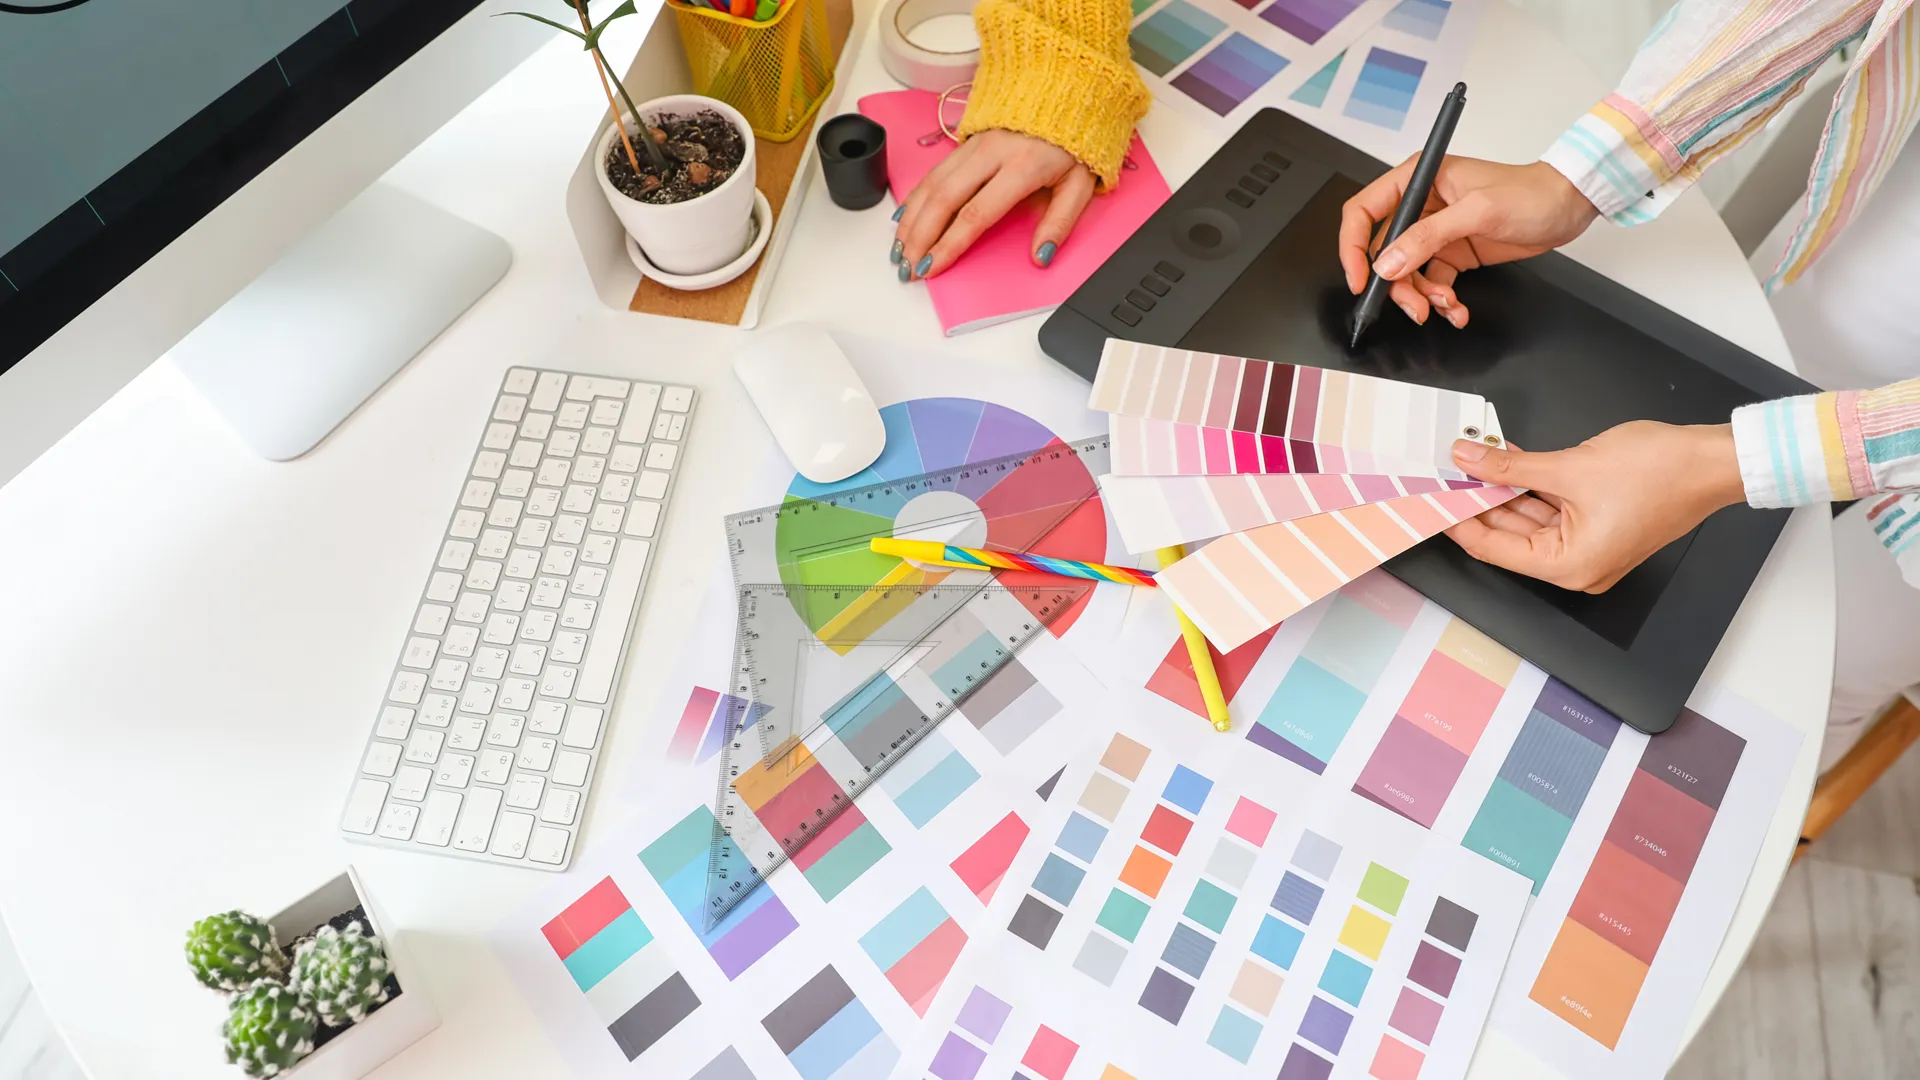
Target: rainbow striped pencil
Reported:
point(934, 553)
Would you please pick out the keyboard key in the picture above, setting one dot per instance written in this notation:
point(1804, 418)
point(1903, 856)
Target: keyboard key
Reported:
point(585, 387)
point(544, 502)
point(505, 513)
point(419, 653)
point(394, 722)
point(516, 694)
point(662, 424)
point(382, 758)
point(583, 727)
point(424, 747)
point(652, 485)
point(570, 645)
point(493, 766)
point(537, 626)
point(466, 524)
point(432, 618)
point(449, 675)
point(522, 563)
point(471, 607)
point(588, 582)
point(558, 682)
point(489, 662)
point(548, 846)
point(528, 659)
point(511, 834)
point(537, 426)
point(533, 532)
point(548, 592)
point(498, 437)
point(614, 489)
point(559, 806)
point(578, 614)
point(511, 596)
point(460, 641)
point(363, 806)
point(571, 768)
point(643, 518)
point(558, 560)
point(640, 406)
point(572, 416)
point(397, 820)
point(607, 518)
point(526, 454)
point(477, 494)
point(510, 407)
point(554, 472)
point(494, 544)
point(410, 783)
point(563, 443)
point(588, 469)
point(579, 498)
point(475, 826)
point(677, 428)
point(607, 412)
point(436, 710)
point(443, 586)
point(546, 392)
point(525, 791)
point(436, 821)
point(623, 592)
point(662, 455)
point(518, 381)
point(478, 697)
point(454, 771)
point(504, 730)
point(597, 440)
point(568, 529)
point(677, 399)
point(501, 629)
point(407, 686)
point(625, 458)
point(465, 733)
point(455, 554)
point(547, 717)
point(484, 574)
point(536, 754)
point(597, 550)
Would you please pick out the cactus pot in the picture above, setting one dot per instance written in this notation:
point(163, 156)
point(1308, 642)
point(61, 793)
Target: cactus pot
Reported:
point(355, 1051)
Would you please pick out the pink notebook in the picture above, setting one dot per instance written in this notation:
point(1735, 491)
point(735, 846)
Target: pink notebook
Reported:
point(996, 279)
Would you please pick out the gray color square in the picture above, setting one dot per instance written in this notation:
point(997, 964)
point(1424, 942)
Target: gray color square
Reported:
point(1100, 958)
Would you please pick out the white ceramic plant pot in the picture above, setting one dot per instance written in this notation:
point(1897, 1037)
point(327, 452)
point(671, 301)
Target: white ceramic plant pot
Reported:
point(700, 234)
point(386, 1031)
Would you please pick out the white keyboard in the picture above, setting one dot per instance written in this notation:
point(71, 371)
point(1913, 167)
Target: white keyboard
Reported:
point(493, 722)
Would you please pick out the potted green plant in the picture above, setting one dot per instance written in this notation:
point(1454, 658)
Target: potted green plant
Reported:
point(682, 181)
point(330, 1005)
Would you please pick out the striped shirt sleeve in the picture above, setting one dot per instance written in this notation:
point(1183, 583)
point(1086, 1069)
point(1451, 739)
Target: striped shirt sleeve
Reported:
point(1845, 444)
point(1709, 76)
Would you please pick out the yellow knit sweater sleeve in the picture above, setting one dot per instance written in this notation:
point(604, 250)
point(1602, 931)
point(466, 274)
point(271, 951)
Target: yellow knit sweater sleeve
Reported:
point(1059, 70)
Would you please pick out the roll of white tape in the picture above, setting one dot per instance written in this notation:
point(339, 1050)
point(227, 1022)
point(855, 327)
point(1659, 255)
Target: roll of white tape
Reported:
point(920, 67)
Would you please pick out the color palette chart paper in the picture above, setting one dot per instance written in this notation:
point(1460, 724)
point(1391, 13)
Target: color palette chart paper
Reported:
point(1382, 92)
point(1294, 418)
point(826, 969)
point(1226, 58)
point(1186, 902)
point(1153, 512)
point(1635, 849)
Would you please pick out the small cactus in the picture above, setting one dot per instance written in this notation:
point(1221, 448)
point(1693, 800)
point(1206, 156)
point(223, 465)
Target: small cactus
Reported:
point(231, 952)
point(269, 1029)
point(344, 974)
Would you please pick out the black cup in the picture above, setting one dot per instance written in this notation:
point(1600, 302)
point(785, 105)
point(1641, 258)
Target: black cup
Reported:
point(853, 154)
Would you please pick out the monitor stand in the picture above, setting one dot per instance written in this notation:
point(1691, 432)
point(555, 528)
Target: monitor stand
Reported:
point(296, 352)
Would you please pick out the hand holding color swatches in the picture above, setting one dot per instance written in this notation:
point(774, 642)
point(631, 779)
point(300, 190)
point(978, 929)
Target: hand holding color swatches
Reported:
point(1310, 477)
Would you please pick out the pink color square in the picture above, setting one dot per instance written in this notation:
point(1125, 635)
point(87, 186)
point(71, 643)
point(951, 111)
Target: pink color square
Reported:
point(1246, 452)
point(1416, 1014)
point(1273, 455)
point(1396, 1060)
point(1050, 1053)
point(1452, 702)
point(1250, 822)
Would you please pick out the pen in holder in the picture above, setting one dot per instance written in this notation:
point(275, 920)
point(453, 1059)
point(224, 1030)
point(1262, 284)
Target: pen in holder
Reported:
point(853, 157)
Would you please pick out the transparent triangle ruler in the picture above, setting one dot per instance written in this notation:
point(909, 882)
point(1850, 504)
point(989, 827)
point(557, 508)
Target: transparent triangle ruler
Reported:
point(1018, 502)
point(863, 699)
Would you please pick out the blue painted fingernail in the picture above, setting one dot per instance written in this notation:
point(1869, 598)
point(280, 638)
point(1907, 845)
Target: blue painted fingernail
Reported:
point(899, 249)
point(925, 264)
point(906, 272)
point(898, 210)
point(1045, 255)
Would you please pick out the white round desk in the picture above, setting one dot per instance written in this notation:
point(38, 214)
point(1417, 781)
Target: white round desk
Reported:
point(191, 638)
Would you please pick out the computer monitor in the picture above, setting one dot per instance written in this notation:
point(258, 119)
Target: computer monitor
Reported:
point(158, 156)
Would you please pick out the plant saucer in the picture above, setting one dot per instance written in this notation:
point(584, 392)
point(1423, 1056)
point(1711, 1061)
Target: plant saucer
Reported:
point(762, 230)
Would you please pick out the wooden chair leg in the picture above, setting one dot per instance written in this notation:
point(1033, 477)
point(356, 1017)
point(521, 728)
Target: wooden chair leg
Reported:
point(1841, 786)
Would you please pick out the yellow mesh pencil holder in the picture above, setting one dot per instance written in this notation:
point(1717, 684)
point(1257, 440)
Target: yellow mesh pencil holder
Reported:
point(775, 72)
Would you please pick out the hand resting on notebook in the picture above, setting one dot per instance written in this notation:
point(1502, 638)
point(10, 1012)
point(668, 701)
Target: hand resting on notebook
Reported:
point(990, 174)
point(1597, 510)
point(1480, 213)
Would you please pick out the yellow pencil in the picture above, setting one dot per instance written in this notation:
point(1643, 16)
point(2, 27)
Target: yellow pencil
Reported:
point(1203, 672)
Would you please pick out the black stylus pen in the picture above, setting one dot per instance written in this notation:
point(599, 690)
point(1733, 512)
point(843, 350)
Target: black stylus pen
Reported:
point(1419, 186)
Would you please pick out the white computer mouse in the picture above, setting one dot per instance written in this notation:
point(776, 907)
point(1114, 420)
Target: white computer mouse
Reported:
point(806, 390)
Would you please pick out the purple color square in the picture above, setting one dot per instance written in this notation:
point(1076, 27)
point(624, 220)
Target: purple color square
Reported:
point(1304, 1064)
point(1416, 1014)
point(1265, 737)
point(1433, 969)
point(983, 1014)
point(1165, 996)
point(754, 937)
point(1325, 1025)
point(958, 1059)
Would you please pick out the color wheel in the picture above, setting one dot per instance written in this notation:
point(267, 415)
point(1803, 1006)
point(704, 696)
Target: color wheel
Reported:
point(928, 435)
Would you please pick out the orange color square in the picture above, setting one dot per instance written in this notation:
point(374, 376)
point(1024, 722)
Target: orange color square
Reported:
point(1167, 830)
point(1325, 532)
point(1124, 756)
point(1145, 872)
point(1589, 983)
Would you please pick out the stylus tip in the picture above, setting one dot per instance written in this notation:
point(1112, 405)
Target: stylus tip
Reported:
point(1359, 329)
